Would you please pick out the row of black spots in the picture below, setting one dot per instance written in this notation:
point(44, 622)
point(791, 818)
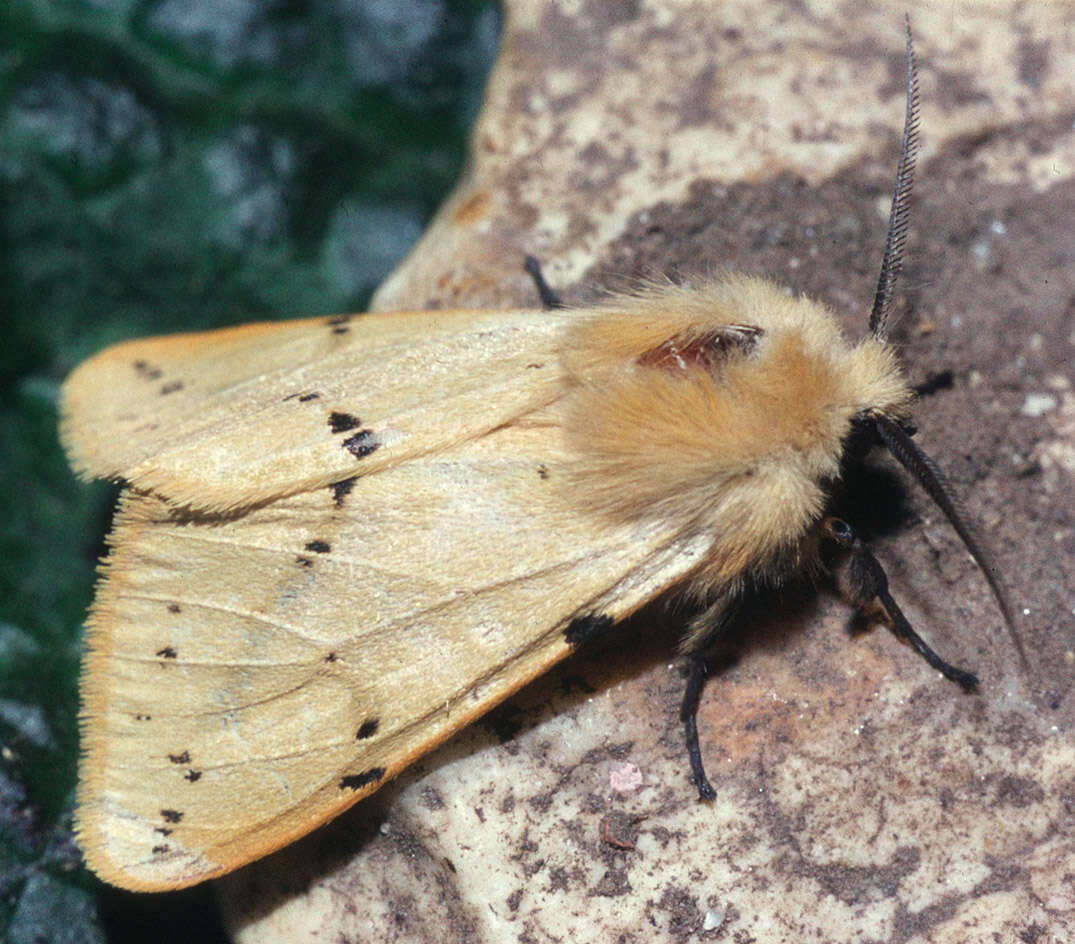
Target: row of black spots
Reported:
point(362, 443)
point(317, 546)
point(169, 816)
point(340, 324)
point(146, 371)
point(168, 653)
point(303, 397)
point(364, 779)
point(183, 759)
point(584, 628)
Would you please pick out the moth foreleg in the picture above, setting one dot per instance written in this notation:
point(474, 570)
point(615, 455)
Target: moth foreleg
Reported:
point(867, 585)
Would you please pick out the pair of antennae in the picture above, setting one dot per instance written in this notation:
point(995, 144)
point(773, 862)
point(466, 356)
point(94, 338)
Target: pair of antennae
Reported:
point(895, 438)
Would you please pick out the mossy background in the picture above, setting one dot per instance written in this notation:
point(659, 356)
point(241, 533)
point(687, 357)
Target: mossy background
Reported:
point(171, 165)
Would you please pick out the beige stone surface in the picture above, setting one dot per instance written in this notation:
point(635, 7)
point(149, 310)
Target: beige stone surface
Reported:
point(860, 797)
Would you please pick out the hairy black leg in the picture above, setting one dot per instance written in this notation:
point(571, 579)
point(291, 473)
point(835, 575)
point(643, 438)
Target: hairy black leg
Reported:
point(702, 633)
point(907, 452)
point(549, 298)
point(867, 584)
point(937, 380)
point(688, 714)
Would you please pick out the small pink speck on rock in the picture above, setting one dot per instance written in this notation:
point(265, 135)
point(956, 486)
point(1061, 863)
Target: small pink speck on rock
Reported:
point(625, 777)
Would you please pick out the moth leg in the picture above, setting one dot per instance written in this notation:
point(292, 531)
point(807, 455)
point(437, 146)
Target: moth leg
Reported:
point(697, 670)
point(867, 584)
point(701, 634)
point(549, 298)
point(937, 380)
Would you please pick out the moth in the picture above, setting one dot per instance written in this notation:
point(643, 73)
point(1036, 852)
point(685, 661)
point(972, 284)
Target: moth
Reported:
point(343, 539)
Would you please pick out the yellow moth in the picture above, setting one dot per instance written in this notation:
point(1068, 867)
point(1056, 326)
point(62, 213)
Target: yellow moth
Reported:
point(345, 538)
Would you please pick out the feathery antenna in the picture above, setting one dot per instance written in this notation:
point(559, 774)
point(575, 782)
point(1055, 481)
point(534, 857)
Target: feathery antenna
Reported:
point(892, 262)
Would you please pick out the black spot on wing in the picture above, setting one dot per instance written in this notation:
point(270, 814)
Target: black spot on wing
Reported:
point(543, 471)
point(331, 657)
point(174, 607)
point(173, 386)
point(163, 830)
point(143, 717)
point(340, 490)
point(147, 371)
point(367, 729)
point(168, 652)
point(171, 816)
point(303, 397)
point(160, 850)
point(304, 561)
point(584, 628)
point(340, 324)
point(193, 775)
point(318, 546)
point(364, 779)
point(343, 422)
point(361, 444)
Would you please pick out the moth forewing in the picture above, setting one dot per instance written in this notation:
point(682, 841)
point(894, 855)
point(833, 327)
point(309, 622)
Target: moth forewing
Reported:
point(227, 419)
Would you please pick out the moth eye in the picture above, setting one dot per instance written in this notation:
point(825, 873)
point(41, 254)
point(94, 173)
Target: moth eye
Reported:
point(839, 531)
point(709, 350)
